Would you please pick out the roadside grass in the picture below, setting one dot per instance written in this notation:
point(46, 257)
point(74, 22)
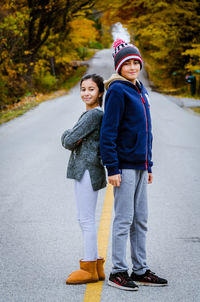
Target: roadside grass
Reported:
point(10, 114)
point(177, 92)
point(196, 109)
point(29, 102)
point(185, 94)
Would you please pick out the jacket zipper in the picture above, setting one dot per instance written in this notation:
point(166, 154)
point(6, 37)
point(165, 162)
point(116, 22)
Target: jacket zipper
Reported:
point(143, 102)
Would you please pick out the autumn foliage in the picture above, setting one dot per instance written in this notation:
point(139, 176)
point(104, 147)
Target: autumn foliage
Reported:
point(168, 34)
point(39, 39)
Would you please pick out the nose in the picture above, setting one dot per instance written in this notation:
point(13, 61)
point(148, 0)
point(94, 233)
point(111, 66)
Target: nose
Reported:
point(86, 92)
point(132, 65)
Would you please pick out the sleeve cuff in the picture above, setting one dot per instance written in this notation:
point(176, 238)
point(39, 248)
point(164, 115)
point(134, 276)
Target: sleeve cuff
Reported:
point(113, 171)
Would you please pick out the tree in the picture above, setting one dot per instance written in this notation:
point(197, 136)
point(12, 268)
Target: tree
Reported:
point(164, 30)
point(32, 32)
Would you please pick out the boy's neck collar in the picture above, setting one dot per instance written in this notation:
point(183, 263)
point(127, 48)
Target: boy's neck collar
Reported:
point(137, 83)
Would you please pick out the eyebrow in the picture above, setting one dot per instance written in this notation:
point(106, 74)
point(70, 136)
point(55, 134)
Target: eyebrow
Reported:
point(132, 60)
point(88, 87)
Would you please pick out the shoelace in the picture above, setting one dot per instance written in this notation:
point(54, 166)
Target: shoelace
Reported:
point(151, 276)
point(124, 278)
point(127, 277)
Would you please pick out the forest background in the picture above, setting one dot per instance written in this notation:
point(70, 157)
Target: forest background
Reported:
point(42, 41)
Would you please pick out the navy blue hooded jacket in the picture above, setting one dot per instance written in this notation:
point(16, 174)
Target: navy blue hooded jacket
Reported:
point(126, 138)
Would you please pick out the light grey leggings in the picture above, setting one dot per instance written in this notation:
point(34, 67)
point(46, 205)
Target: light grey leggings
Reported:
point(86, 200)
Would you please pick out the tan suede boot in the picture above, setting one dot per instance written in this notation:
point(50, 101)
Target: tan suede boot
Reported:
point(86, 274)
point(100, 269)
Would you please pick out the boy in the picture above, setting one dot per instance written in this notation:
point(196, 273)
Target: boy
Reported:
point(125, 143)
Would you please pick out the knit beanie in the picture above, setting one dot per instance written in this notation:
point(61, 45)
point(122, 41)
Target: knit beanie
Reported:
point(124, 51)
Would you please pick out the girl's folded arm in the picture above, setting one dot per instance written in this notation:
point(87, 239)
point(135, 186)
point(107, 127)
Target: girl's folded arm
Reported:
point(66, 142)
point(85, 125)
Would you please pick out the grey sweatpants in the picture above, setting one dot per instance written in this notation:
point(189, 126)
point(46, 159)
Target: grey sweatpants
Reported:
point(130, 205)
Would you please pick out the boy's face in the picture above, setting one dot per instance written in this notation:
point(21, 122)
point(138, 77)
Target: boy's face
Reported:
point(130, 70)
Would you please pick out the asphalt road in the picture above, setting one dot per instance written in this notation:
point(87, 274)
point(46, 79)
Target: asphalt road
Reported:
point(40, 240)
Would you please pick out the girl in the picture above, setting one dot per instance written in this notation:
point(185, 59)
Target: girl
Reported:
point(86, 169)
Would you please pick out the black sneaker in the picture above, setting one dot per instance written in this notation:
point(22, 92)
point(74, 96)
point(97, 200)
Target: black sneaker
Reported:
point(149, 279)
point(122, 281)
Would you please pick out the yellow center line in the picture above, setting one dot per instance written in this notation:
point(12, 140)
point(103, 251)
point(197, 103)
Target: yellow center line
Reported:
point(93, 290)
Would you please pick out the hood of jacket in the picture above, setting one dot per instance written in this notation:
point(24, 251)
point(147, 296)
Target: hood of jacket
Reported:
point(114, 77)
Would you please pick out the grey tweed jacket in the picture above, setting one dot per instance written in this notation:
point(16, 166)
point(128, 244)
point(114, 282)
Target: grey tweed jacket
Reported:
point(85, 155)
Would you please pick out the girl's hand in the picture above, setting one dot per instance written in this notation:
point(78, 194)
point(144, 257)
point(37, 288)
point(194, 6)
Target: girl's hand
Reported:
point(114, 180)
point(150, 178)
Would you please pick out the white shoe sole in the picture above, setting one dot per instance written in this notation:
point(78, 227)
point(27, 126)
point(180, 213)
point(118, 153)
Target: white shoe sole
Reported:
point(149, 284)
point(121, 287)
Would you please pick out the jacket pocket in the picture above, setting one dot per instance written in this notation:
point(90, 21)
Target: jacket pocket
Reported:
point(141, 145)
point(135, 150)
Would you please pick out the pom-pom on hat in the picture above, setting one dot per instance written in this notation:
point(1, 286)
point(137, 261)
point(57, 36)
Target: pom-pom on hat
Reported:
point(124, 51)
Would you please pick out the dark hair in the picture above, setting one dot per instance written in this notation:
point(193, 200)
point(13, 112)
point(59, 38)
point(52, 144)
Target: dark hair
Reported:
point(99, 81)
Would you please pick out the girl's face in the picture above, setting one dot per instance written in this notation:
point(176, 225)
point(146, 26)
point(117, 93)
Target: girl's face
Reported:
point(90, 94)
point(130, 70)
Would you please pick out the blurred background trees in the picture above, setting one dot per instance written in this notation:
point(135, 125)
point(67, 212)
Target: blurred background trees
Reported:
point(41, 38)
point(167, 33)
